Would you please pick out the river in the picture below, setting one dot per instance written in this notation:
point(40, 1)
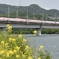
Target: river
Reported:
point(49, 41)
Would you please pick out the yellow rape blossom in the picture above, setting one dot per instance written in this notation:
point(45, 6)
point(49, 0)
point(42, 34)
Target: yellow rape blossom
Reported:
point(30, 57)
point(8, 25)
point(7, 54)
point(13, 39)
point(39, 58)
point(27, 47)
point(35, 32)
point(17, 48)
point(0, 58)
point(41, 47)
point(10, 39)
point(23, 55)
point(24, 41)
point(17, 56)
point(2, 42)
point(15, 51)
point(11, 52)
point(20, 36)
point(6, 45)
point(2, 52)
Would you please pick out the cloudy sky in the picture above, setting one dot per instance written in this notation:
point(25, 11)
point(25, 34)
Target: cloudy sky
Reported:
point(47, 4)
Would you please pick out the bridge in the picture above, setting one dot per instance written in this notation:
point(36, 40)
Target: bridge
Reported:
point(27, 23)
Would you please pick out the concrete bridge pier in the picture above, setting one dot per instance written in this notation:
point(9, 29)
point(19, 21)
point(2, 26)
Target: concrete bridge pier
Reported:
point(39, 32)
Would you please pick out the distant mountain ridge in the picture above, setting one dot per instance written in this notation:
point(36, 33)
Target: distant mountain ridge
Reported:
point(33, 8)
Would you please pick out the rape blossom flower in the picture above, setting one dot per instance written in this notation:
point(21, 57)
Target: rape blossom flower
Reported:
point(10, 39)
point(0, 58)
point(11, 52)
point(30, 57)
point(41, 47)
point(17, 48)
point(39, 58)
point(24, 41)
point(23, 56)
point(15, 51)
point(20, 36)
point(7, 54)
point(9, 28)
point(27, 47)
point(35, 32)
point(2, 52)
point(2, 42)
point(17, 56)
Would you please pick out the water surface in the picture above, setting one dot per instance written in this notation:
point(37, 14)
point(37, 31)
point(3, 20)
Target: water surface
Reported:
point(49, 41)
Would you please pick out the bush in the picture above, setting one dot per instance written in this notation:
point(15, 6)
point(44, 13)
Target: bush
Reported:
point(17, 47)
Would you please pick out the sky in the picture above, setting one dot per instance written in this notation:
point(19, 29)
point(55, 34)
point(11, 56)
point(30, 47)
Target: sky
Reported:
point(46, 4)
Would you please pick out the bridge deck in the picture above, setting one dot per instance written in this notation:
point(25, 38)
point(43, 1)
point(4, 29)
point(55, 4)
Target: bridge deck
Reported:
point(26, 23)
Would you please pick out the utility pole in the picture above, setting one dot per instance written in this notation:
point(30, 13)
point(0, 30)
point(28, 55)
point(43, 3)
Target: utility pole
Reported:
point(43, 16)
point(8, 12)
point(55, 18)
point(17, 13)
point(46, 16)
point(33, 15)
point(27, 14)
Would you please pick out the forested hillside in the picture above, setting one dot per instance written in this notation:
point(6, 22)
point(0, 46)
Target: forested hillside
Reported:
point(32, 9)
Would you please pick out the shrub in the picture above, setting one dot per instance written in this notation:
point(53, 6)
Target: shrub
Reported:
point(17, 47)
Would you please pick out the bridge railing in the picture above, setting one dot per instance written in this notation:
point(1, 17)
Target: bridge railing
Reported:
point(18, 20)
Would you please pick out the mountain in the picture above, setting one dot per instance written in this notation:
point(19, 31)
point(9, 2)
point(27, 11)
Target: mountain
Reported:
point(33, 8)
